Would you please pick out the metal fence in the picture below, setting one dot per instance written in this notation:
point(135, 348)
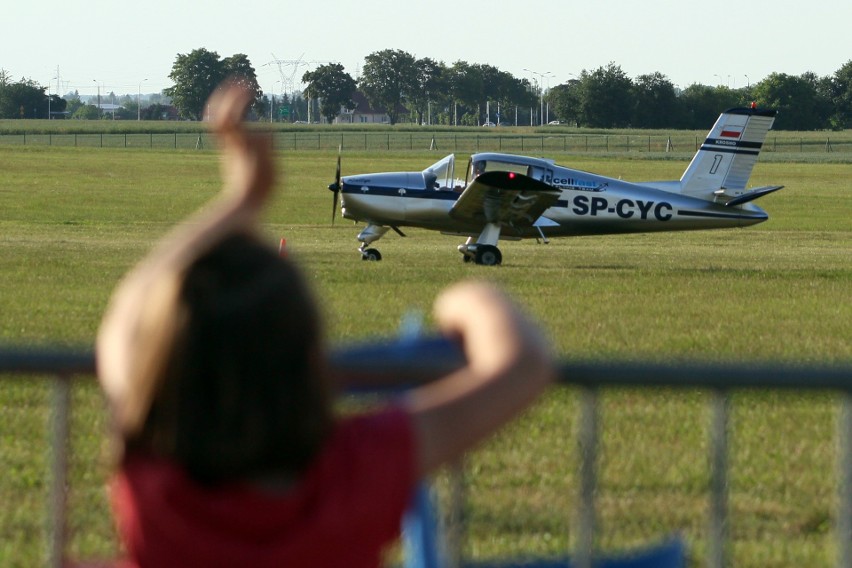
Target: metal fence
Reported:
point(442, 141)
point(392, 361)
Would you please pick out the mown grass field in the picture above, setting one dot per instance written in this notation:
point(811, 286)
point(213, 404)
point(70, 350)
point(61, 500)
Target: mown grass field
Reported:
point(73, 220)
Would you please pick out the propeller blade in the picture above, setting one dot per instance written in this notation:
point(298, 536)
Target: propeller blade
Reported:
point(335, 187)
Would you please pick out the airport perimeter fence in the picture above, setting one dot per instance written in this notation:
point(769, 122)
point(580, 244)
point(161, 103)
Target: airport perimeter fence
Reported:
point(720, 380)
point(441, 141)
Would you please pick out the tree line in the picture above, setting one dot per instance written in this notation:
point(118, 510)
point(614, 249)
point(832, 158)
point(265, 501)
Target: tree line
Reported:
point(422, 90)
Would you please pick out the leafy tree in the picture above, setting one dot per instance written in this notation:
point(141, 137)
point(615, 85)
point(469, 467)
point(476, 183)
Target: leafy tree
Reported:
point(389, 79)
point(431, 87)
point(24, 99)
point(605, 100)
point(333, 87)
point(197, 74)
point(514, 92)
point(700, 105)
point(86, 112)
point(839, 91)
point(465, 85)
point(238, 68)
point(655, 102)
point(155, 111)
point(796, 99)
point(501, 87)
point(73, 102)
point(57, 104)
point(564, 101)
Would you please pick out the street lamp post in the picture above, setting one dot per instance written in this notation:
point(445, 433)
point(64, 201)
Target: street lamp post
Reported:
point(139, 101)
point(541, 88)
point(99, 96)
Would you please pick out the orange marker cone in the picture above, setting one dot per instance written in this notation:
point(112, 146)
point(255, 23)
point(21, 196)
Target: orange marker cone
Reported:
point(282, 248)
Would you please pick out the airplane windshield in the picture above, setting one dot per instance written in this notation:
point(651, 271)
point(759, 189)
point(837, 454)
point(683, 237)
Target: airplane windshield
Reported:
point(442, 174)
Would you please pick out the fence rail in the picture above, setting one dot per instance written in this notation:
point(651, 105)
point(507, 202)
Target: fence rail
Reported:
point(439, 141)
point(434, 358)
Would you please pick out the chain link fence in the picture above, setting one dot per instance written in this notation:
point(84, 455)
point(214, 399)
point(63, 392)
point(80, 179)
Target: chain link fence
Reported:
point(440, 141)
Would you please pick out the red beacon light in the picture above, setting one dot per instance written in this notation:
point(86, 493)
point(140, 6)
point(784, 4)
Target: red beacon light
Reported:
point(511, 175)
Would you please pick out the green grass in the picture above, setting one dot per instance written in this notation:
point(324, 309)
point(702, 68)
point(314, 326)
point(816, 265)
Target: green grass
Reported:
point(73, 220)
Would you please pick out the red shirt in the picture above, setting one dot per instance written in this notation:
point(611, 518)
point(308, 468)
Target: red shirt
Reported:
point(343, 511)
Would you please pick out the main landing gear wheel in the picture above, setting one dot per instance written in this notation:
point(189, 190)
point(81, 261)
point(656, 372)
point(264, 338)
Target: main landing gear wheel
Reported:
point(488, 255)
point(371, 254)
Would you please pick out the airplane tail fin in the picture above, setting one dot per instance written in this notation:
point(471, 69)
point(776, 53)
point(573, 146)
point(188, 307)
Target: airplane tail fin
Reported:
point(725, 160)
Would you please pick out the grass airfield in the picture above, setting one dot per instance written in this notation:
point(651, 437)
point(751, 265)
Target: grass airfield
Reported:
point(72, 221)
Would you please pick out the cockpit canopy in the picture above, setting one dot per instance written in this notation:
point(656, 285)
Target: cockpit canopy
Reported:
point(441, 175)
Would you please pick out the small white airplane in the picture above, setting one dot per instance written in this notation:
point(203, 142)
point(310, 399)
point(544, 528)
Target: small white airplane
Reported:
point(516, 197)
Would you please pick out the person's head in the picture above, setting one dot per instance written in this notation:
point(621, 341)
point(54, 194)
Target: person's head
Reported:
point(230, 381)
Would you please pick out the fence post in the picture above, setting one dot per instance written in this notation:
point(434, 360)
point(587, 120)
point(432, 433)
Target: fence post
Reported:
point(718, 541)
point(58, 469)
point(588, 441)
point(844, 476)
point(456, 521)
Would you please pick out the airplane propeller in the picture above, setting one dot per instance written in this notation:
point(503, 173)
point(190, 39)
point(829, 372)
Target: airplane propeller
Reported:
point(335, 188)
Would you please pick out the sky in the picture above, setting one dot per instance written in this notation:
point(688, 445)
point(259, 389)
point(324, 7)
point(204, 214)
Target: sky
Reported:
point(129, 48)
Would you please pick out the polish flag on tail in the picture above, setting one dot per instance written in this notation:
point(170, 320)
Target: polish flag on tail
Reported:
point(732, 132)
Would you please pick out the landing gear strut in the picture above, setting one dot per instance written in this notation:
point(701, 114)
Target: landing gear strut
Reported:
point(484, 251)
point(370, 254)
point(369, 235)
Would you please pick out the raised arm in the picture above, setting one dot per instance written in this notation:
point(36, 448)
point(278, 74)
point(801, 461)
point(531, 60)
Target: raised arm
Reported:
point(247, 170)
point(509, 365)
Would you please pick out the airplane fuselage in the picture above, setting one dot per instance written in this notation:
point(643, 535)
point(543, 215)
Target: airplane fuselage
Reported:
point(588, 204)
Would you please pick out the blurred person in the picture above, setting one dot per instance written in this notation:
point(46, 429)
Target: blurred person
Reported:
point(212, 357)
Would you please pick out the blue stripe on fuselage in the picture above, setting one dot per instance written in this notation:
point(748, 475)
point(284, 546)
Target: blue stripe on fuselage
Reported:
point(409, 193)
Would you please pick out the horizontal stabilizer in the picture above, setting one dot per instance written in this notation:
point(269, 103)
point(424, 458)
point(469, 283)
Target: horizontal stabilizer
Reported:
point(751, 195)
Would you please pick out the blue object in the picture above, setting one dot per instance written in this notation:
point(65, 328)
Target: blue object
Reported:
point(422, 547)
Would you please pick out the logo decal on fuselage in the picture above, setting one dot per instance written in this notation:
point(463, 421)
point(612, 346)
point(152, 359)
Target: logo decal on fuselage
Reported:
point(575, 184)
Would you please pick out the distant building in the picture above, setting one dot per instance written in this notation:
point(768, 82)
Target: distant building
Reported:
point(363, 113)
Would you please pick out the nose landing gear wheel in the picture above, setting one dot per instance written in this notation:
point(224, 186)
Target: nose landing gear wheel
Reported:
point(371, 254)
point(488, 255)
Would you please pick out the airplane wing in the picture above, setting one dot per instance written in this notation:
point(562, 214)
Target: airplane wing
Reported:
point(507, 198)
